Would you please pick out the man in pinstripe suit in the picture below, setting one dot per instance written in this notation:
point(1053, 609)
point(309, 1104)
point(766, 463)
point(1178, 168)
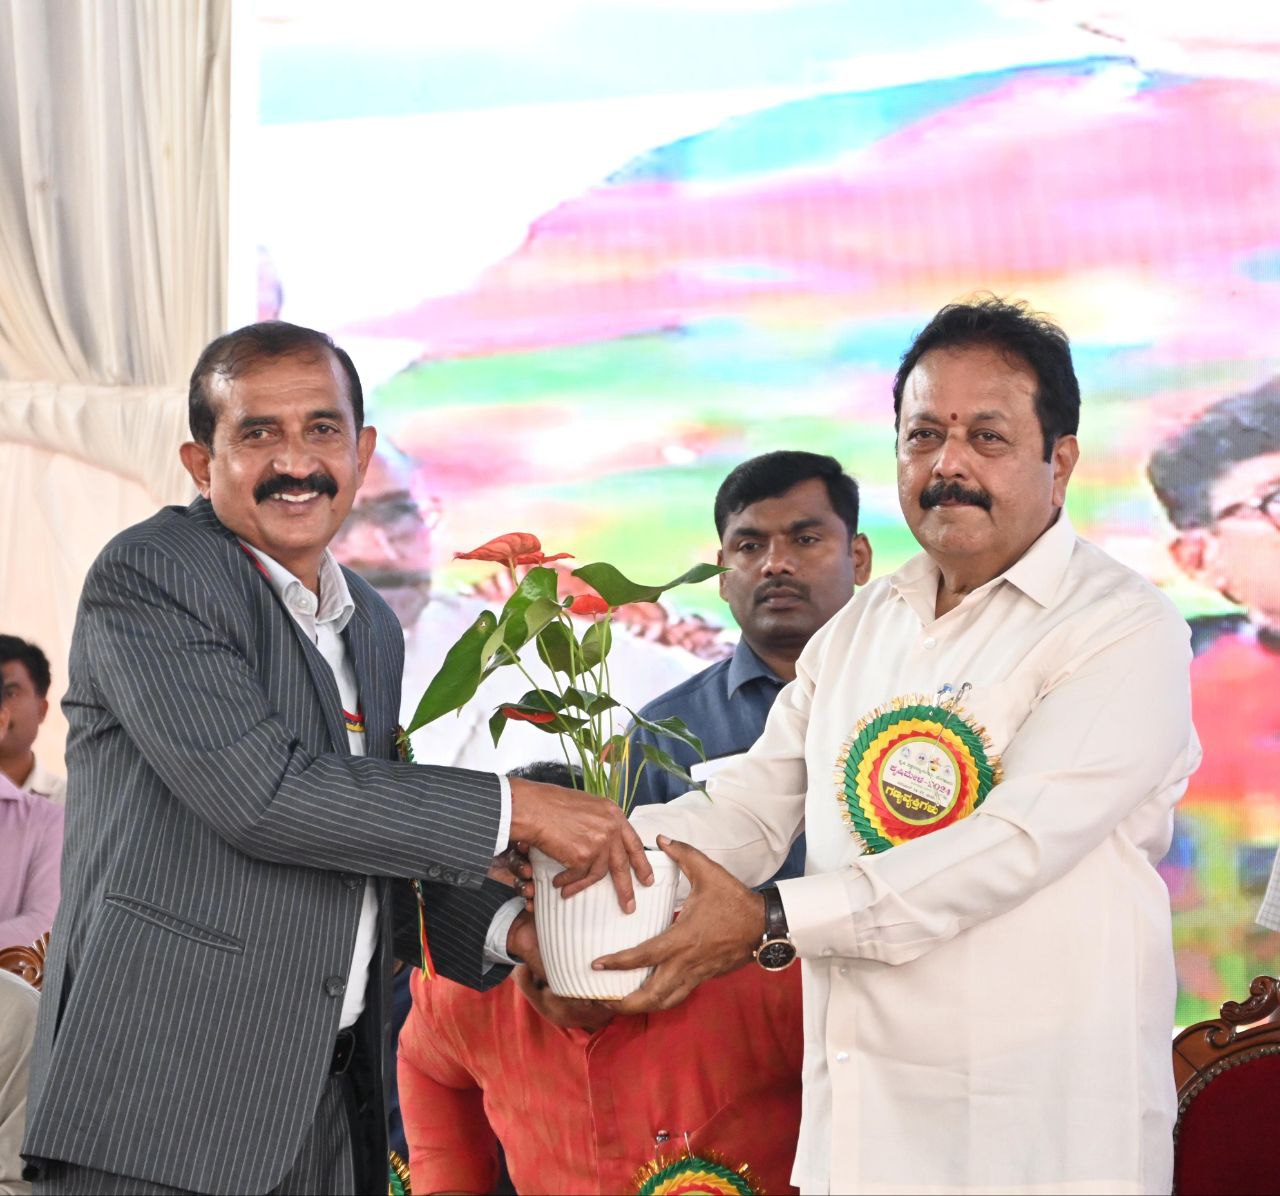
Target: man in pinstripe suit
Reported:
point(213, 1004)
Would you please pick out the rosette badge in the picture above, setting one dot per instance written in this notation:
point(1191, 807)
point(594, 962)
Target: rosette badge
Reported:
point(913, 767)
point(689, 1173)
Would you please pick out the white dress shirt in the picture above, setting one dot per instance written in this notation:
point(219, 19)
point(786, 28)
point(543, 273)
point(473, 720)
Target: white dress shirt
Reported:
point(987, 1008)
point(324, 621)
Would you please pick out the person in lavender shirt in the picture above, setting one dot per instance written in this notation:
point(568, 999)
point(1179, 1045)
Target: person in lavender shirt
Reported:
point(30, 859)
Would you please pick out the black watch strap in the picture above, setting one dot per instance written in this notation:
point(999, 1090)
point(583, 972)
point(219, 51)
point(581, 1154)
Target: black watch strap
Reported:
point(775, 916)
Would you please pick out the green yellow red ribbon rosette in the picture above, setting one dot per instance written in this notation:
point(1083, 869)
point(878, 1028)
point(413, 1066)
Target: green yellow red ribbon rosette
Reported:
point(688, 1173)
point(910, 768)
point(398, 1183)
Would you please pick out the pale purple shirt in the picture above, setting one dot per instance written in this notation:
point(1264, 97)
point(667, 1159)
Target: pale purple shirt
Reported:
point(30, 864)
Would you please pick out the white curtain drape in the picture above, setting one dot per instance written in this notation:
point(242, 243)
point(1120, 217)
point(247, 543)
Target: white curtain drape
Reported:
point(114, 119)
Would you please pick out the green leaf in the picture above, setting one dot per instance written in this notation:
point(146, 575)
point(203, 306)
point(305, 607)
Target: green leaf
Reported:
point(560, 724)
point(655, 755)
point(617, 590)
point(539, 582)
point(538, 585)
point(497, 724)
point(541, 611)
point(459, 676)
point(501, 658)
point(591, 704)
point(670, 728)
point(585, 736)
point(596, 642)
point(540, 699)
point(555, 647)
point(516, 634)
point(493, 643)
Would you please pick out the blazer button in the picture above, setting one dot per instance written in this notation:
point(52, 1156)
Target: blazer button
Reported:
point(351, 882)
point(433, 873)
point(449, 876)
point(335, 986)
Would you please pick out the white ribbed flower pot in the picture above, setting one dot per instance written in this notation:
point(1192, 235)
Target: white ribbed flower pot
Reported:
point(573, 931)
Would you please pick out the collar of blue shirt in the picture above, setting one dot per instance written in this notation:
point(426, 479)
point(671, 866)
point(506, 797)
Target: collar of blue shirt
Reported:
point(747, 666)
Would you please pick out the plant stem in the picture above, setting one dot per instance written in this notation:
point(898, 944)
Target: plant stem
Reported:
point(617, 787)
point(560, 735)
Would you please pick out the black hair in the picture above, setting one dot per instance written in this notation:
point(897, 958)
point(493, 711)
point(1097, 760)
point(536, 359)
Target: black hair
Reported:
point(1019, 334)
point(31, 657)
point(772, 474)
point(236, 352)
point(1184, 468)
point(549, 772)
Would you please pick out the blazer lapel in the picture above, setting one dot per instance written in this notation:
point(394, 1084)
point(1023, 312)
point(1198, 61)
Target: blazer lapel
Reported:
point(201, 512)
point(322, 678)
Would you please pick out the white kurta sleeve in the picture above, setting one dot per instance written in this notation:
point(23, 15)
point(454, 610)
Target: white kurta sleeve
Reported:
point(753, 809)
point(1111, 735)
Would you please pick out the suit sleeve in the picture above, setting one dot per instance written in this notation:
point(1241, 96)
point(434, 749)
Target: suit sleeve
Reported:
point(172, 665)
point(452, 1147)
point(457, 924)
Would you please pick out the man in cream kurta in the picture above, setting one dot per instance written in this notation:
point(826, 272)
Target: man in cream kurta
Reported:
point(988, 1008)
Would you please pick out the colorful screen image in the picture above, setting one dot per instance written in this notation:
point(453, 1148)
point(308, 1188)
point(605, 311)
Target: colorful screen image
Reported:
point(590, 256)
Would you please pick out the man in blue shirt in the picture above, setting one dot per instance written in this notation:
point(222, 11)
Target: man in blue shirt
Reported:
point(788, 527)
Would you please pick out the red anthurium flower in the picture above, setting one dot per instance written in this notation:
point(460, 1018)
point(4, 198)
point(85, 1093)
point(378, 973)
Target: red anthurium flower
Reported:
point(515, 548)
point(588, 604)
point(527, 716)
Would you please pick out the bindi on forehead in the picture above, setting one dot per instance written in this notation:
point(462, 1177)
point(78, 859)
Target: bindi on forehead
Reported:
point(954, 417)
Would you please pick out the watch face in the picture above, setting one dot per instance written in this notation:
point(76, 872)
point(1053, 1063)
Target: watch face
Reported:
point(775, 955)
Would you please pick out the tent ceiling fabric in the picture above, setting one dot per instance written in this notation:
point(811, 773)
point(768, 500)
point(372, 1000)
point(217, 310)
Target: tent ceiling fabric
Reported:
point(114, 151)
point(114, 119)
point(132, 431)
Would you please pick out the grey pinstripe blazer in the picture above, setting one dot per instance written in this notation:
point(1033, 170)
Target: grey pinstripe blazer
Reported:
point(218, 835)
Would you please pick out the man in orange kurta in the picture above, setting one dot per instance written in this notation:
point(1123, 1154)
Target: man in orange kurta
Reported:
point(581, 1100)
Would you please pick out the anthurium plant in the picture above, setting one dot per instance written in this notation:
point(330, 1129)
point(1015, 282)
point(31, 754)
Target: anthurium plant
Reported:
point(595, 731)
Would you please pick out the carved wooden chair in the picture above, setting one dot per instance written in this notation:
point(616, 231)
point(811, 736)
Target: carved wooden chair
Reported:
point(1228, 1077)
point(27, 963)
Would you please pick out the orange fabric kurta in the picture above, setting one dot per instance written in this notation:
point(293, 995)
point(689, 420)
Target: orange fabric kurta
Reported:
point(580, 1112)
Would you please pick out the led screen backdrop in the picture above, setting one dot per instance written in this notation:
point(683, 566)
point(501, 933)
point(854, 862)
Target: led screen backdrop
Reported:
point(591, 255)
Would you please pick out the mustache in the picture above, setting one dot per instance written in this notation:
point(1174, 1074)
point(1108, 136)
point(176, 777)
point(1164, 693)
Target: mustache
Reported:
point(940, 492)
point(767, 588)
point(282, 483)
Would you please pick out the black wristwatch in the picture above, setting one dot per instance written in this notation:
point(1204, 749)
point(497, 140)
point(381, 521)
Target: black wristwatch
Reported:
point(776, 950)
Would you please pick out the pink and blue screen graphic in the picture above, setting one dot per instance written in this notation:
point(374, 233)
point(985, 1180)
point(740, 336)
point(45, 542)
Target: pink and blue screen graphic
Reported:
point(590, 256)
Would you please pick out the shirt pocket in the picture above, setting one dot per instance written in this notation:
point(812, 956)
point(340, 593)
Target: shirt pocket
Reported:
point(997, 711)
